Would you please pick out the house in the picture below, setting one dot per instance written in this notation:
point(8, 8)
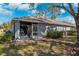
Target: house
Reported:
point(35, 26)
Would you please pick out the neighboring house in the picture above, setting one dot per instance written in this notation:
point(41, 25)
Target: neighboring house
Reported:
point(35, 27)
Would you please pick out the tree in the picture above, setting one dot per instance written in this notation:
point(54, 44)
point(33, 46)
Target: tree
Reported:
point(71, 11)
point(7, 26)
point(55, 9)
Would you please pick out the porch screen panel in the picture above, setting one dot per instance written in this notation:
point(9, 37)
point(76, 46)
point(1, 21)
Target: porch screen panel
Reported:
point(34, 29)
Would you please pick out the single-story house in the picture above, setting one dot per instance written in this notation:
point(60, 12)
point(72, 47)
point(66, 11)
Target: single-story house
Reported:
point(35, 27)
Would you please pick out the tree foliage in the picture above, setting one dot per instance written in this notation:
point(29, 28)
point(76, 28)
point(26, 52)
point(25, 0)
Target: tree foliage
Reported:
point(7, 26)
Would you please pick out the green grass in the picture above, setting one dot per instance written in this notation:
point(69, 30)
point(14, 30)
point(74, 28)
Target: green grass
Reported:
point(71, 39)
point(35, 48)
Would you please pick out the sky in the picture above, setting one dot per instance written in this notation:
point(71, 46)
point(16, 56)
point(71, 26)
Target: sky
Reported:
point(11, 10)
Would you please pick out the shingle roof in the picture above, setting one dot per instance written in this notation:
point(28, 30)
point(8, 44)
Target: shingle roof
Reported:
point(31, 19)
point(61, 23)
point(38, 19)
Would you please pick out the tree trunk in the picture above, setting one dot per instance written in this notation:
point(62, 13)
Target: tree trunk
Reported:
point(77, 43)
point(77, 27)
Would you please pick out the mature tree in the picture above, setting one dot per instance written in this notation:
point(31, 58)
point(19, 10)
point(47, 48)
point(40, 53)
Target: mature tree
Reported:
point(7, 26)
point(69, 7)
point(73, 12)
point(55, 11)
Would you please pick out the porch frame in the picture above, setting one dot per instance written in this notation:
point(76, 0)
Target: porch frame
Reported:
point(53, 25)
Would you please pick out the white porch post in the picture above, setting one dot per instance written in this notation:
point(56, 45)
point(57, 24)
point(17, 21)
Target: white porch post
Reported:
point(60, 28)
point(17, 30)
point(32, 31)
point(56, 28)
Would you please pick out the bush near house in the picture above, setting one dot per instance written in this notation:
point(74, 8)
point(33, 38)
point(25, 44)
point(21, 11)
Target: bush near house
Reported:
point(54, 34)
point(72, 32)
point(7, 37)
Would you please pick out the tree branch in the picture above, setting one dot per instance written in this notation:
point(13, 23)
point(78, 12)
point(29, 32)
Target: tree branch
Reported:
point(78, 9)
point(67, 10)
point(73, 14)
point(71, 9)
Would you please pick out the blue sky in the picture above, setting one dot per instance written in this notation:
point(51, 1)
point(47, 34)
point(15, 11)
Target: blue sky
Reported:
point(10, 10)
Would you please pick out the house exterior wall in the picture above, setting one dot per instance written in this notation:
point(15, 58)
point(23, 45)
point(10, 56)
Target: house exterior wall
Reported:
point(16, 30)
point(41, 29)
point(12, 28)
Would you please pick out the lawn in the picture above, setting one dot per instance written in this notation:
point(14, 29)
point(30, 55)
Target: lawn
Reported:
point(34, 48)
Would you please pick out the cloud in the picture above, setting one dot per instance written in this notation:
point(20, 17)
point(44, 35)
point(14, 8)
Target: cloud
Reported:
point(67, 19)
point(8, 9)
point(23, 6)
point(5, 12)
point(12, 6)
point(34, 11)
point(75, 4)
point(62, 11)
point(8, 12)
point(19, 6)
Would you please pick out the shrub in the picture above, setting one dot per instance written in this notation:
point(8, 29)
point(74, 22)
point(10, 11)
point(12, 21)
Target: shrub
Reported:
point(7, 37)
point(72, 32)
point(54, 34)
